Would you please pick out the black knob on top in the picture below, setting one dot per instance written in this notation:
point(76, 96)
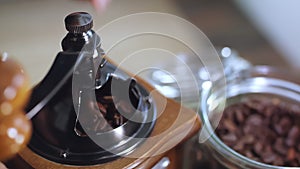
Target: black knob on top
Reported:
point(79, 22)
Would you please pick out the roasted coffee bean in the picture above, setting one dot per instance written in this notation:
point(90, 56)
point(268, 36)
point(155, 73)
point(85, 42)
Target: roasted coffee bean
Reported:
point(247, 129)
point(231, 137)
point(269, 111)
point(255, 104)
point(279, 161)
point(283, 126)
point(102, 108)
point(108, 115)
point(269, 157)
point(291, 155)
point(295, 109)
point(240, 146)
point(258, 147)
point(229, 125)
point(265, 130)
point(255, 120)
point(114, 108)
point(239, 115)
point(249, 154)
point(280, 147)
point(248, 139)
point(293, 136)
point(108, 98)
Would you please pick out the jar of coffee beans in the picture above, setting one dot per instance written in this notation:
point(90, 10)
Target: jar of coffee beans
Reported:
point(253, 121)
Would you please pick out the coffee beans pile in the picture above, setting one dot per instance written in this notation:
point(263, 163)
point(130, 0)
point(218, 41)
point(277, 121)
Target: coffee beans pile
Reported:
point(264, 130)
point(103, 116)
point(115, 107)
point(109, 110)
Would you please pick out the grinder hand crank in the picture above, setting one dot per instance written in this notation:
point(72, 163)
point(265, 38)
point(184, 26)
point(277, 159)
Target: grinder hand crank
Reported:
point(15, 128)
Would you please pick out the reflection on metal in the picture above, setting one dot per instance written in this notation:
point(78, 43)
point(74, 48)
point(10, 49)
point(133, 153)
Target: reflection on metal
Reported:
point(4, 56)
point(206, 85)
point(162, 77)
point(168, 91)
point(162, 164)
point(225, 52)
point(203, 74)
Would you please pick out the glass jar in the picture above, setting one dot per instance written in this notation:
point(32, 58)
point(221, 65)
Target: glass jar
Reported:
point(263, 81)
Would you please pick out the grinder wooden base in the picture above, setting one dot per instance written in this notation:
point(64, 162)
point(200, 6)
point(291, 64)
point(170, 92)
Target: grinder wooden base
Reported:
point(168, 113)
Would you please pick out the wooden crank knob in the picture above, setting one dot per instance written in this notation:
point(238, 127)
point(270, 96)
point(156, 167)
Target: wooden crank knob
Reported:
point(15, 128)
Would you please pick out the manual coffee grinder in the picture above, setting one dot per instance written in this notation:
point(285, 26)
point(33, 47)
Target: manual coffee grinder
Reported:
point(86, 115)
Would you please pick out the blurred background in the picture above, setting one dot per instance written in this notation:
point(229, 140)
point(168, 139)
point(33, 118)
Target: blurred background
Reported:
point(264, 32)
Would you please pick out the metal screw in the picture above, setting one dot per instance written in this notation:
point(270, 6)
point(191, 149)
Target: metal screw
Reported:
point(63, 154)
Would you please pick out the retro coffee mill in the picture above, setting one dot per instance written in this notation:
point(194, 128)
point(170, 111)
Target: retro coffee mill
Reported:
point(87, 113)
